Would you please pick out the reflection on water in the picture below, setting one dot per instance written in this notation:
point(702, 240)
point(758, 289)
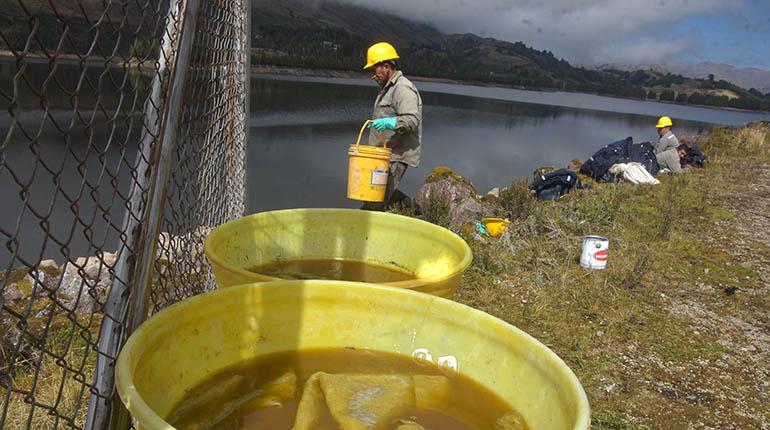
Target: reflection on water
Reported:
point(300, 129)
point(333, 269)
point(70, 136)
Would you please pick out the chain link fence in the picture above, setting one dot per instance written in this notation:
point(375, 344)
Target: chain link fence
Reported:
point(123, 144)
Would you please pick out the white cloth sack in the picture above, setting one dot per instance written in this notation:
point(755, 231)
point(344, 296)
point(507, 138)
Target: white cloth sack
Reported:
point(634, 173)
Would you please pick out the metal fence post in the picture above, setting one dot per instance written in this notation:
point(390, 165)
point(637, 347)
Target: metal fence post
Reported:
point(127, 303)
point(247, 114)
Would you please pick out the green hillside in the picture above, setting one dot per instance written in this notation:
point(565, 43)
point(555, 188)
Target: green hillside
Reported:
point(335, 35)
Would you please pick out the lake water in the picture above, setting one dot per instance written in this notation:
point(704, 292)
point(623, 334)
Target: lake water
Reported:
point(300, 130)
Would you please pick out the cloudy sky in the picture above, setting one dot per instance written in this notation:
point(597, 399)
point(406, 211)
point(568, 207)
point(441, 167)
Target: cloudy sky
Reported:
point(735, 32)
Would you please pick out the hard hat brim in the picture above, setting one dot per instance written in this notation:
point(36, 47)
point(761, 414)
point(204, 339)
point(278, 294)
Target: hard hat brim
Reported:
point(370, 65)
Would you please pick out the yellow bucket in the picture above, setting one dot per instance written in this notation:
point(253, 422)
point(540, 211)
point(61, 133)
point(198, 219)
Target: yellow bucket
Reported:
point(434, 255)
point(495, 226)
point(368, 169)
point(184, 344)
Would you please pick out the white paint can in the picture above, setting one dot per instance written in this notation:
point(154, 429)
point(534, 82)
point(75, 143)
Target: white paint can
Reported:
point(595, 252)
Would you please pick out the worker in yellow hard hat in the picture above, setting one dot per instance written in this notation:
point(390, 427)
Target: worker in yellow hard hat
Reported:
point(397, 119)
point(667, 139)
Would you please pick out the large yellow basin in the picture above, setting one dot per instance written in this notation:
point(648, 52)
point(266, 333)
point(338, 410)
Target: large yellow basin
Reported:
point(184, 344)
point(434, 254)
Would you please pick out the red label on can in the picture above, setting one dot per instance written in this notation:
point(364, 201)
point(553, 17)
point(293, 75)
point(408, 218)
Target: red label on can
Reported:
point(601, 255)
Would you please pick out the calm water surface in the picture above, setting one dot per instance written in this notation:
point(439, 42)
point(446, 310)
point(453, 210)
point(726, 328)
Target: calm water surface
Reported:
point(300, 129)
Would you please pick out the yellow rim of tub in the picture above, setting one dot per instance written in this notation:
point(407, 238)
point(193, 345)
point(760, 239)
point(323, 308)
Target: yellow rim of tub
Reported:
point(408, 284)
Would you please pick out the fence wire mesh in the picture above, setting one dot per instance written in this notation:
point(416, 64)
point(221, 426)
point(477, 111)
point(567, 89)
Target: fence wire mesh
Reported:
point(87, 88)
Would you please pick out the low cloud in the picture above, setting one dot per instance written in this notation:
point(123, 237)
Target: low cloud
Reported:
point(581, 31)
point(646, 50)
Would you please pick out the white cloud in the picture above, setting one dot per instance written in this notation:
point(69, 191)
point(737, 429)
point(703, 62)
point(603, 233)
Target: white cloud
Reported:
point(647, 50)
point(579, 30)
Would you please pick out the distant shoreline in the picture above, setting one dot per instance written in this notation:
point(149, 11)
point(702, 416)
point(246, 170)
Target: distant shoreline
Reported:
point(263, 69)
point(328, 73)
point(72, 59)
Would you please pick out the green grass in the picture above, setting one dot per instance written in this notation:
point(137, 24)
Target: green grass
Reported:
point(531, 278)
point(54, 387)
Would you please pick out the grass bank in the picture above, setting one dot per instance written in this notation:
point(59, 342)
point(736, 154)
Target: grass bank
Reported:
point(674, 333)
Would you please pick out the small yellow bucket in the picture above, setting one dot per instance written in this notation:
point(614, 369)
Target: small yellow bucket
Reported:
point(495, 226)
point(368, 168)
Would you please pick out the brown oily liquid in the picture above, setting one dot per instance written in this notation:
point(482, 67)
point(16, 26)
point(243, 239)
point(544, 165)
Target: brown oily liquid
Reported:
point(333, 269)
point(265, 394)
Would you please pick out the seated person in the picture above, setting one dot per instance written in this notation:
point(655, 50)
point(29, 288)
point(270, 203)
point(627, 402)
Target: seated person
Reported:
point(667, 139)
point(671, 159)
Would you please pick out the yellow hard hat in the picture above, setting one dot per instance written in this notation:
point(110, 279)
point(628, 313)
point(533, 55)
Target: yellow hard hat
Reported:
point(379, 52)
point(664, 121)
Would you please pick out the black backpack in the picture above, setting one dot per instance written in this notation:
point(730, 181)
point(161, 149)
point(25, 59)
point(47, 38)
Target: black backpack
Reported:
point(552, 185)
point(694, 158)
point(644, 154)
point(603, 159)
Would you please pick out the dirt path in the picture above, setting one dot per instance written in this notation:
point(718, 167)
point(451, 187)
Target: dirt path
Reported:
point(732, 386)
point(751, 242)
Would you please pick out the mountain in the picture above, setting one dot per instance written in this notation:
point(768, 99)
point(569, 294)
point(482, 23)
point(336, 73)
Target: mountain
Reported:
point(657, 68)
point(76, 10)
point(334, 35)
point(746, 77)
point(304, 15)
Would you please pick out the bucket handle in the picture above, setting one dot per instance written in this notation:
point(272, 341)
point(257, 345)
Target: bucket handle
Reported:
point(360, 133)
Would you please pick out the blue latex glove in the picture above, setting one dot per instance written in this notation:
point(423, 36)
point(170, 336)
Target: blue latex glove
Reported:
point(382, 124)
point(482, 229)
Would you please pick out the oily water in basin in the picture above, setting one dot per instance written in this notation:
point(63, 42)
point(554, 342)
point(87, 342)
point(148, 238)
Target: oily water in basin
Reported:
point(342, 389)
point(333, 269)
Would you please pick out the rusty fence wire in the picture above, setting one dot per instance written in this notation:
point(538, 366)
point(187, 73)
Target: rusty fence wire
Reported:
point(122, 143)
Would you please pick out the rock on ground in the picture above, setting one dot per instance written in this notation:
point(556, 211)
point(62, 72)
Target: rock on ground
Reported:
point(457, 195)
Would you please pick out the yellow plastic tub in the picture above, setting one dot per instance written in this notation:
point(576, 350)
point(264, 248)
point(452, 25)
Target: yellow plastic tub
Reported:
point(184, 344)
point(436, 256)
